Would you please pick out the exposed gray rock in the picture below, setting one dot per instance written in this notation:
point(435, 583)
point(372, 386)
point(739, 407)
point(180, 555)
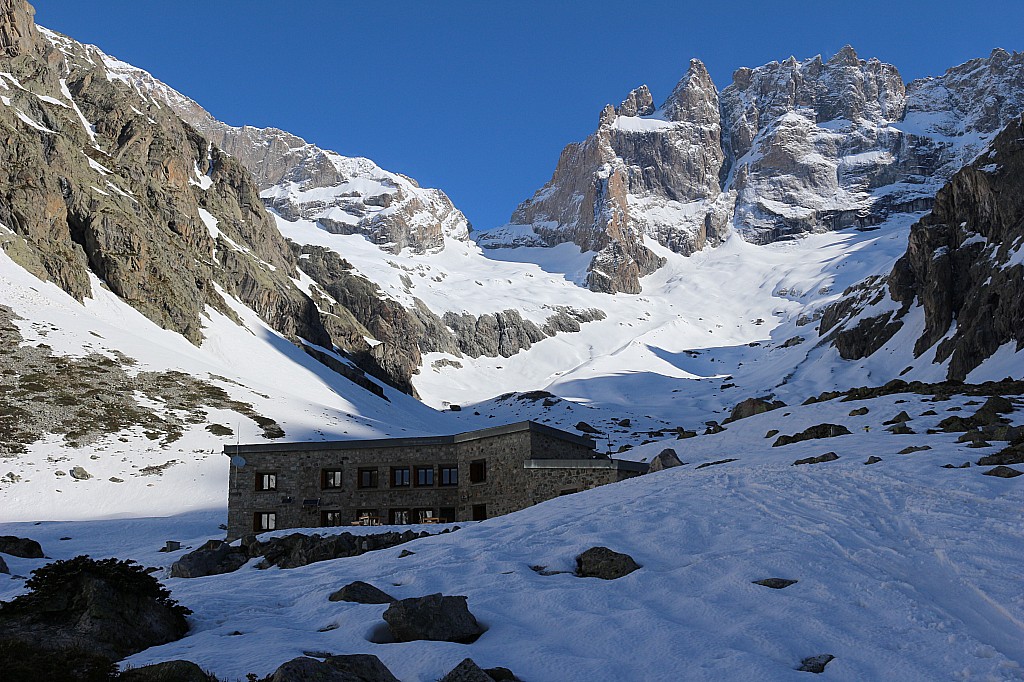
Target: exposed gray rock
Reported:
point(715, 463)
point(433, 617)
point(601, 562)
point(3, 567)
point(213, 558)
point(666, 459)
point(362, 593)
point(775, 583)
point(859, 412)
point(467, 671)
point(898, 419)
point(352, 668)
point(813, 432)
point(752, 406)
point(80, 474)
point(873, 459)
point(1003, 472)
point(827, 457)
point(25, 548)
point(815, 664)
point(169, 671)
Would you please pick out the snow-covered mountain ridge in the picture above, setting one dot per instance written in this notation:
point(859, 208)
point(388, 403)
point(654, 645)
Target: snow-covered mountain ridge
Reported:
point(786, 149)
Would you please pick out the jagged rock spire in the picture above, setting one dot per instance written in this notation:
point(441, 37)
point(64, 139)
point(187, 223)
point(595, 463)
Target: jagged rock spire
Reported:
point(695, 97)
point(639, 102)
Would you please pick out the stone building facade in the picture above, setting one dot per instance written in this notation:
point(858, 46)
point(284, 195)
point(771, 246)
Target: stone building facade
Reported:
point(464, 477)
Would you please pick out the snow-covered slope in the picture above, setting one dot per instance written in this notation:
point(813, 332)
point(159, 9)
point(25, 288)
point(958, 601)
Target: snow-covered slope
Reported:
point(906, 571)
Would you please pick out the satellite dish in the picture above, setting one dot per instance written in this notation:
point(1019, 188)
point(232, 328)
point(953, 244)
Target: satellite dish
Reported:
point(237, 461)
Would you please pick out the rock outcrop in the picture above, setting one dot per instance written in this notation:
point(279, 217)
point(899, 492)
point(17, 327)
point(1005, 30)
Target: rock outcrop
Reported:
point(107, 608)
point(434, 617)
point(604, 563)
point(25, 548)
point(964, 266)
point(787, 148)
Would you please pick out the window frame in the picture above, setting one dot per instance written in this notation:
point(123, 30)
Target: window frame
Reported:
point(374, 474)
point(325, 515)
point(266, 481)
point(327, 479)
point(478, 465)
point(264, 522)
point(407, 477)
point(445, 470)
point(423, 469)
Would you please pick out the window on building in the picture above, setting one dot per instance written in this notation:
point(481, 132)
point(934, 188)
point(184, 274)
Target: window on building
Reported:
point(449, 474)
point(400, 477)
point(330, 478)
point(424, 515)
point(479, 512)
point(264, 521)
point(266, 480)
point(332, 518)
point(367, 478)
point(398, 517)
point(478, 471)
point(424, 476)
point(447, 514)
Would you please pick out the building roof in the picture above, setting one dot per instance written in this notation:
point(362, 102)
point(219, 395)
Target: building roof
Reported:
point(415, 441)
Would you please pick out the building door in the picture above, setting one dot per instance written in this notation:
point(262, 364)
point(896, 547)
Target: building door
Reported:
point(479, 512)
point(398, 517)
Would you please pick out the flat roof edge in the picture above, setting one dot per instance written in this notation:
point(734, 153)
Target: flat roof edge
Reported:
point(411, 441)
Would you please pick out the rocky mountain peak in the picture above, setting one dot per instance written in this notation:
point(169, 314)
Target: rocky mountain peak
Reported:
point(639, 102)
point(846, 56)
point(695, 97)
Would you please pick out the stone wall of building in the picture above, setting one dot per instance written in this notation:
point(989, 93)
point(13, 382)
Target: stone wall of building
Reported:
point(300, 499)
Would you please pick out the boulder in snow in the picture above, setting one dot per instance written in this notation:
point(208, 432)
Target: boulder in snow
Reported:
point(601, 562)
point(433, 617)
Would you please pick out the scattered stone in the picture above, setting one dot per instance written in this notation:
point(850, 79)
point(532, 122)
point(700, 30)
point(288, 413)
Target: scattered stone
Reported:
point(965, 465)
point(914, 448)
point(815, 664)
point(23, 548)
point(898, 419)
point(543, 570)
point(901, 429)
point(115, 479)
point(827, 457)
point(752, 406)
point(584, 427)
point(859, 412)
point(998, 404)
point(956, 423)
point(666, 459)
point(624, 423)
point(716, 462)
point(776, 583)
point(216, 557)
point(685, 433)
point(433, 617)
point(713, 427)
point(1013, 454)
point(929, 413)
point(500, 674)
point(361, 593)
point(794, 341)
point(1003, 472)
point(814, 432)
point(169, 671)
point(467, 671)
point(873, 460)
point(772, 432)
point(3, 567)
point(80, 474)
point(404, 553)
point(334, 669)
point(601, 562)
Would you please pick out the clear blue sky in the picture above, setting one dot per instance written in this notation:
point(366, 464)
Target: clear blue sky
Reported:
point(476, 97)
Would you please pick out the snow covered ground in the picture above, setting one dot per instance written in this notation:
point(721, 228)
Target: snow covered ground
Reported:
point(906, 570)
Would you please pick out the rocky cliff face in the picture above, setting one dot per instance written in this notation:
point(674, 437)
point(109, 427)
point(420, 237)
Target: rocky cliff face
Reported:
point(964, 266)
point(300, 180)
point(101, 185)
point(788, 148)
